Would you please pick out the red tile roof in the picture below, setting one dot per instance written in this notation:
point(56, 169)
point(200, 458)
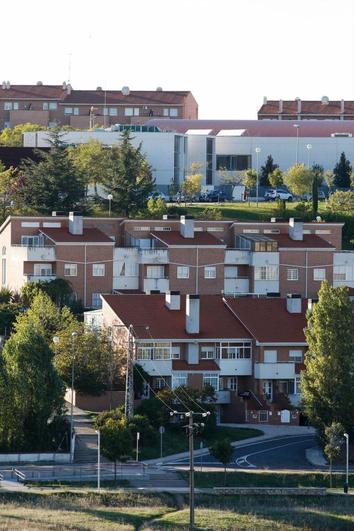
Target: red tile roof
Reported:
point(310, 241)
point(203, 365)
point(30, 92)
point(216, 321)
point(312, 107)
point(175, 238)
point(89, 236)
point(135, 97)
point(268, 319)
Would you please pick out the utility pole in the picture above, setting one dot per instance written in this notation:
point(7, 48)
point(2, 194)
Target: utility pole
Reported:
point(129, 380)
point(191, 428)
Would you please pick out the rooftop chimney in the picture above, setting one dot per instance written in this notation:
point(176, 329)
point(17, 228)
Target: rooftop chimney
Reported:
point(68, 88)
point(173, 300)
point(8, 85)
point(187, 226)
point(280, 105)
point(265, 100)
point(342, 106)
point(293, 303)
point(296, 229)
point(4, 85)
point(298, 105)
point(64, 85)
point(76, 223)
point(192, 314)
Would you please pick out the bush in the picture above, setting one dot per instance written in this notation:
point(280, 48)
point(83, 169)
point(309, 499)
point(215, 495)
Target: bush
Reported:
point(341, 202)
point(211, 213)
point(154, 411)
point(141, 424)
point(5, 295)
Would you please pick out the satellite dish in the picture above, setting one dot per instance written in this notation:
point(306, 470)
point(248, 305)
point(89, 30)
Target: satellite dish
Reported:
point(125, 91)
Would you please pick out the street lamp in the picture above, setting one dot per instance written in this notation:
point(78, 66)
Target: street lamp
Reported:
point(297, 127)
point(98, 459)
point(308, 147)
point(346, 485)
point(257, 150)
point(109, 197)
point(73, 338)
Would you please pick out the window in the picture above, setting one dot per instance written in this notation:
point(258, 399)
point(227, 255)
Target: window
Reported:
point(3, 251)
point(42, 270)
point(268, 389)
point(131, 111)
point(11, 106)
point(233, 162)
point(265, 246)
point(51, 106)
point(110, 111)
point(263, 415)
point(3, 271)
point(160, 383)
point(207, 353)
point(233, 351)
point(230, 272)
point(70, 270)
point(72, 110)
point(345, 273)
point(145, 351)
point(266, 273)
point(292, 274)
point(211, 379)
point(155, 272)
point(179, 379)
point(96, 300)
point(295, 355)
point(156, 351)
point(182, 272)
point(232, 383)
point(210, 272)
point(98, 270)
point(30, 241)
point(319, 274)
point(175, 353)
point(173, 112)
point(270, 356)
point(297, 387)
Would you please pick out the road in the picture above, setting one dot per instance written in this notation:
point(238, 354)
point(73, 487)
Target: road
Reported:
point(288, 452)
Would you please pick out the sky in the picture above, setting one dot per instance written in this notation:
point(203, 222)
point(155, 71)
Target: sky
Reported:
point(229, 53)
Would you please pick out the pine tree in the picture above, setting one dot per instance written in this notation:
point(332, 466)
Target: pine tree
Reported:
point(328, 381)
point(342, 172)
point(268, 168)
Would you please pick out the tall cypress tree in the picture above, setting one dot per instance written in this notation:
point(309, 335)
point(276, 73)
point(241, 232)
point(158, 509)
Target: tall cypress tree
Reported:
point(342, 172)
point(268, 168)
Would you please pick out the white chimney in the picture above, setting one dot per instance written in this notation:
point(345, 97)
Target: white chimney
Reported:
point(342, 106)
point(68, 88)
point(298, 105)
point(296, 229)
point(192, 314)
point(8, 86)
point(280, 105)
point(173, 300)
point(293, 303)
point(4, 85)
point(187, 226)
point(265, 100)
point(76, 223)
point(64, 85)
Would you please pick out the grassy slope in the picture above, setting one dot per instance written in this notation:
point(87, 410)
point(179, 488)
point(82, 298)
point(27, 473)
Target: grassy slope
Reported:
point(130, 511)
point(175, 440)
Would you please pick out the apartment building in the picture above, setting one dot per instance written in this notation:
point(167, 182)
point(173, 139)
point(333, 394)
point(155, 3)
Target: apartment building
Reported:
point(252, 362)
point(110, 255)
point(53, 105)
point(323, 109)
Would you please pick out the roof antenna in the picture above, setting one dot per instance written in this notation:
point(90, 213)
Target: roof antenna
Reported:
point(69, 67)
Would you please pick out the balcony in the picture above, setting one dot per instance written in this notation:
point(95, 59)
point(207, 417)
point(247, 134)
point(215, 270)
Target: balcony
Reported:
point(222, 397)
point(237, 257)
point(39, 278)
point(236, 285)
point(125, 282)
point(156, 367)
point(161, 284)
point(38, 253)
point(153, 256)
point(274, 371)
point(235, 367)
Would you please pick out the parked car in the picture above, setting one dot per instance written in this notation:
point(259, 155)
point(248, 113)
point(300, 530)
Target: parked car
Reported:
point(215, 197)
point(155, 195)
point(278, 193)
point(308, 197)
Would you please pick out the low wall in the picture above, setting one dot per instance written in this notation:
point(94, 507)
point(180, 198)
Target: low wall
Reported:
point(35, 458)
point(270, 491)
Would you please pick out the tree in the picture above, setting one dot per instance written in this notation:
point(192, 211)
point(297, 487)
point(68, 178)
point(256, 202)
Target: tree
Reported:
point(13, 137)
point(92, 161)
point(250, 178)
point(299, 179)
point(192, 184)
point(222, 451)
point(329, 178)
point(7, 190)
point(276, 178)
point(211, 213)
point(342, 172)
point(8, 314)
point(116, 441)
point(156, 207)
point(130, 179)
point(341, 202)
point(59, 291)
point(327, 382)
point(334, 440)
point(317, 172)
point(37, 393)
point(52, 183)
point(266, 170)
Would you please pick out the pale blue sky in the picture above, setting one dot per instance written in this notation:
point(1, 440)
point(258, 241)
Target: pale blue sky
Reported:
point(229, 53)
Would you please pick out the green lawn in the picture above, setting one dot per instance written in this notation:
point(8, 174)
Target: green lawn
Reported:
point(175, 440)
point(132, 511)
point(235, 478)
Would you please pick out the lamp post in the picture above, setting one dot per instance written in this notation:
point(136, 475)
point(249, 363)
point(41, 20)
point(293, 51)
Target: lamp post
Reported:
point(109, 197)
point(346, 485)
point(73, 338)
point(308, 147)
point(98, 460)
point(257, 150)
point(297, 127)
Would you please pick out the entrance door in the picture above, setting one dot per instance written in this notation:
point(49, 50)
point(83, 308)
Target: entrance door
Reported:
point(285, 416)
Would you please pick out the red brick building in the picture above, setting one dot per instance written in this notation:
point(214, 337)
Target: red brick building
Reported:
point(324, 109)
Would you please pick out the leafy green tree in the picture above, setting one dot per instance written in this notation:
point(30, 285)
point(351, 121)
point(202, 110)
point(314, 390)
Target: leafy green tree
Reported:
point(52, 183)
point(156, 207)
point(130, 179)
point(266, 170)
point(59, 290)
point(6, 410)
point(222, 451)
point(334, 440)
point(13, 137)
point(341, 202)
point(116, 441)
point(299, 179)
point(329, 178)
point(92, 161)
point(276, 178)
point(7, 190)
point(8, 314)
point(342, 172)
point(317, 172)
point(249, 178)
point(37, 393)
point(192, 185)
point(328, 380)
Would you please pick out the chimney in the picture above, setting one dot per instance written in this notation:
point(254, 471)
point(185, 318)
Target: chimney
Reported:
point(68, 88)
point(4, 85)
point(280, 106)
point(265, 100)
point(187, 226)
point(192, 314)
point(76, 223)
point(296, 229)
point(8, 86)
point(342, 106)
point(173, 300)
point(298, 105)
point(64, 85)
point(293, 303)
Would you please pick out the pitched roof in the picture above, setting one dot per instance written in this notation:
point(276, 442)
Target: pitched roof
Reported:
point(290, 107)
point(135, 97)
point(29, 92)
point(175, 238)
point(309, 241)
point(89, 236)
point(216, 321)
point(268, 319)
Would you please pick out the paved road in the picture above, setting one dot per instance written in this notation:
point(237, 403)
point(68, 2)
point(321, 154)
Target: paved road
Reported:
point(279, 453)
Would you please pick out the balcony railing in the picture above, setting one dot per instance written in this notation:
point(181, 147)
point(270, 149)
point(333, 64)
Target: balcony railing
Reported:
point(36, 252)
point(153, 256)
point(42, 278)
point(279, 370)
